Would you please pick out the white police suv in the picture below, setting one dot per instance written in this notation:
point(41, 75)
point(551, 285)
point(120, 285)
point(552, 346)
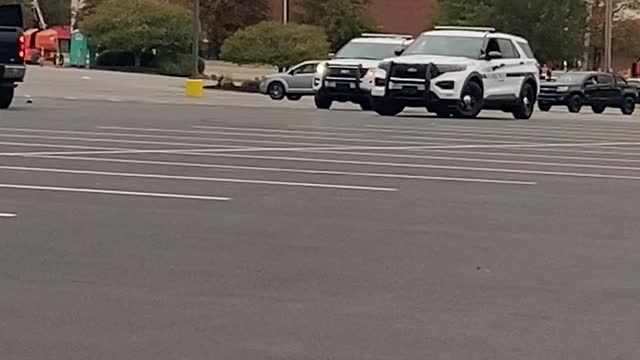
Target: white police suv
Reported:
point(349, 75)
point(459, 71)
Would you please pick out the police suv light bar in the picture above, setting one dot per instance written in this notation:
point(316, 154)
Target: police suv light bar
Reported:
point(467, 28)
point(395, 36)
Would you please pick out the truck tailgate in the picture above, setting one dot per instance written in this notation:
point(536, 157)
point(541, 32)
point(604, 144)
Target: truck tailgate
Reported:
point(10, 45)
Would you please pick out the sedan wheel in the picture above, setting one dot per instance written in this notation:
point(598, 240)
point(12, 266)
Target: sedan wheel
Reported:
point(276, 91)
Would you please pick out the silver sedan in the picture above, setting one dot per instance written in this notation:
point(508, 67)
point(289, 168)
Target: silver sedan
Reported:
point(293, 84)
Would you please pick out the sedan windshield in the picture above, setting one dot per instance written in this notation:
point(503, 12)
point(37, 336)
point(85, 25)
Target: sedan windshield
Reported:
point(461, 46)
point(365, 50)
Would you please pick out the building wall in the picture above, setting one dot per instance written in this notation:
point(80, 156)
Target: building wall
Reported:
point(393, 16)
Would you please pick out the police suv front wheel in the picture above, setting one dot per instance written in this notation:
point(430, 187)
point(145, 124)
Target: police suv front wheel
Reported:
point(386, 108)
point(323, 100)
point(471, 101)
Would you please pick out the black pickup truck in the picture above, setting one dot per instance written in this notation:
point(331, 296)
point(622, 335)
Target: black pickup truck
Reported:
point(12, 52)
point(596, 89)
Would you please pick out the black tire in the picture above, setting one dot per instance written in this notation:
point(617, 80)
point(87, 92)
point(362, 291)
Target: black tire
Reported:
point(598, 108)
point(323, 101)
point(6, 97)
point(575, 103)
point(524, 109)
point(472, 109)
point(386, 108)
point(628, 105)
point(365, 105)
point(542, 106)
point(443, 113)
point(292, 97)
point(276, 90)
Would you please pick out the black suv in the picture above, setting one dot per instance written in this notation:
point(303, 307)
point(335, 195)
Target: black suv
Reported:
point(596, 89)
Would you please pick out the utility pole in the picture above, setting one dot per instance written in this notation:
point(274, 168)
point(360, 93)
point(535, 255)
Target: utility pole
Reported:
point(196, 38)
point(608, 33)
point(285, 11)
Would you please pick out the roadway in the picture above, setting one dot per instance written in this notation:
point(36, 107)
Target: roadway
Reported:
point(134, 230)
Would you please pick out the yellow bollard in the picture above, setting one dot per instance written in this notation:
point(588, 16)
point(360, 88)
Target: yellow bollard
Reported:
point(195, 87)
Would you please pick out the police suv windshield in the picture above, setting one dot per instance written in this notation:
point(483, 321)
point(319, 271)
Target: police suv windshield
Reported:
point(367, 50)
point(461, 46)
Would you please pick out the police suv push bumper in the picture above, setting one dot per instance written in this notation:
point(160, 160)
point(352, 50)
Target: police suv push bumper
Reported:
point(418, 85)
point(345, 82)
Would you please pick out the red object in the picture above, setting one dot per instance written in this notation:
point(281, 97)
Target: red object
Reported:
point(36, 41)
point(22, 47)
point(636, 69)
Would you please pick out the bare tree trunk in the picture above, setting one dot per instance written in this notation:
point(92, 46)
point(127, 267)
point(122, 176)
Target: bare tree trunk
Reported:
point(587, 37)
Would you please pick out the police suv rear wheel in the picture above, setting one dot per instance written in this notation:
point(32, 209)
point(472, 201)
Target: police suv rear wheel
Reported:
point(524, 107)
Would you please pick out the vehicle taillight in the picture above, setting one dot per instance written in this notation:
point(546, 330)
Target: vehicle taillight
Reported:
point(22, 48)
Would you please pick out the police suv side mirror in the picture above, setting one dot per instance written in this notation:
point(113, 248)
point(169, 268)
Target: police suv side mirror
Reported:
point(331, 55)
point(399, 51)
point(494, 55)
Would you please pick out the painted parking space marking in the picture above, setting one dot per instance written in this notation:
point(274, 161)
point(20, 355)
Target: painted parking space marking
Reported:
point(112, 192)
point(200, 178)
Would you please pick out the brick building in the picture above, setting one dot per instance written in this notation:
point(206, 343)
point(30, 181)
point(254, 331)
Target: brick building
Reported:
point(393, 16)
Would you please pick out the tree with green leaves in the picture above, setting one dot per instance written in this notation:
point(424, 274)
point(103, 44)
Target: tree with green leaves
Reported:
point(275, 44)
point(221, 18)
point(465, 12)
point(342, 20)
point(554, 28)
point(138, 26)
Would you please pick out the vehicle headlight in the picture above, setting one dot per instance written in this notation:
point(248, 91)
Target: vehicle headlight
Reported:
point(451, 68)
point(562, 89)
point(321, 68)
point(370, 73)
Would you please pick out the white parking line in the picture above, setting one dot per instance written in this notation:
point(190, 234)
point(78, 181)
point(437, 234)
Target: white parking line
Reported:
point(112, 192)
point(290, 170)
point(7, 215)
point(426, 166)
point(501, 132)
point(477, 135)
point(21, 144)
point(539, 156)
point(199, 178)
point(68, 138)
point(269, 135)
point(481, 160)
point(195, 138)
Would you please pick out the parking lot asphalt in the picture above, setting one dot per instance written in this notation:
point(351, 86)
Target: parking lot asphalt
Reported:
point(131, 230)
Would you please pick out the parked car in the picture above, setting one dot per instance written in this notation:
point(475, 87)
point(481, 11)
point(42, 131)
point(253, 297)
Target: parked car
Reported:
point(599, 90)
point(12, 52)
point(293, 84)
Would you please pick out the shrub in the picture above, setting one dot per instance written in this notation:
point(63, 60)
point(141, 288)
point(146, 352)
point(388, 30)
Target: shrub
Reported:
point(279, 45)
point(176, 64)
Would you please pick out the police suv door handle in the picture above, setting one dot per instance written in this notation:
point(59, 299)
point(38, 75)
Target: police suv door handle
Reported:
point(498, 66)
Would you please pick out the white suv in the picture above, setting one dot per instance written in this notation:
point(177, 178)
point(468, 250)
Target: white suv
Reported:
point(459, 71)
point(349, 75)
